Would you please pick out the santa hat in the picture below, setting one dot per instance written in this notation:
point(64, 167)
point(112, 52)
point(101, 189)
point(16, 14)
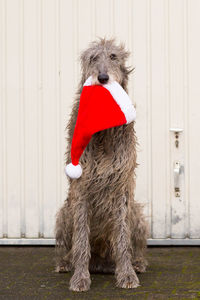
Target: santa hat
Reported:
point(101, 107)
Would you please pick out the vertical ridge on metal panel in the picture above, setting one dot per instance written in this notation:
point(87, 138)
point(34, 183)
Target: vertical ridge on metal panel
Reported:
point(40, 130)
point(49, 116)
point(158, 121)
point(194, 117)
point(58, 104)
point(141, 98)
point(177, 112)
point(186, 119)
point(3, 124)
point(149, 112)
point(167, 101)
point(13, 116)
point(22, 120)
point(67, 85)
point(31, 99)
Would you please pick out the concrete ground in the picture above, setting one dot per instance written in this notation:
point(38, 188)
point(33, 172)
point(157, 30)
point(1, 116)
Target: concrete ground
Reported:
point(28, 273)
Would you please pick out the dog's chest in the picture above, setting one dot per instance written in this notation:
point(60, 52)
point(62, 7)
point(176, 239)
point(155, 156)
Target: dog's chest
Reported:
point(105, 144)
point(106, 153)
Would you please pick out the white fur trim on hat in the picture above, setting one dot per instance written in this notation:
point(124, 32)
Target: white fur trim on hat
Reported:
point(88, 81)
point(120, 96)
point(73, 171)
point(122, 99)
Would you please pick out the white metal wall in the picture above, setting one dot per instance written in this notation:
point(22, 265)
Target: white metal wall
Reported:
point(40, 41)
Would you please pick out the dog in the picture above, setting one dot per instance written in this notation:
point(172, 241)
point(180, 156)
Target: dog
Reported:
point(100, 228)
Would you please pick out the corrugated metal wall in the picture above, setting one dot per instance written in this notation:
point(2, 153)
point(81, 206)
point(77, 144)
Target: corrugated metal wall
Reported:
point(39, 71)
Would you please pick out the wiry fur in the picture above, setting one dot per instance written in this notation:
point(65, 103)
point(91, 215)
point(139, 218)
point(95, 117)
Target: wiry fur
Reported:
point(100, 228)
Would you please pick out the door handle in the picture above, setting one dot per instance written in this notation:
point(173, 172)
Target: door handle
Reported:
point(177, 172)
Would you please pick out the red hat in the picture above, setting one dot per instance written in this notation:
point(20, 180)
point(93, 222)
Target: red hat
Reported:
point(101, 107)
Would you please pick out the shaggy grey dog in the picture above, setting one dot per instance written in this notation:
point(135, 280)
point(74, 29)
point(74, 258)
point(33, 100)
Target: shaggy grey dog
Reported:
point(100, 228)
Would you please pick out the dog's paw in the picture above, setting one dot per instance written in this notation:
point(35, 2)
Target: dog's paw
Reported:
point(62, 269)
point(80, 282)
point(127, 280)
point(140, 266)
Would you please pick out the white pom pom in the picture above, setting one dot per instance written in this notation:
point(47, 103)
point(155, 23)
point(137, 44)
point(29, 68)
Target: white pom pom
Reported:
point(73, 171)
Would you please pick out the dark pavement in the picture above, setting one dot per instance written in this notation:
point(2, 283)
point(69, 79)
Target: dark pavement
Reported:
point(28, 273)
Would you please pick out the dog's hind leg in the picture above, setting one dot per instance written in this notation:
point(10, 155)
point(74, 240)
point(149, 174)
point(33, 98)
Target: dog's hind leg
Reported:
point(63, 234)
point(121, 246)
point(80, 280)
point(139, 239)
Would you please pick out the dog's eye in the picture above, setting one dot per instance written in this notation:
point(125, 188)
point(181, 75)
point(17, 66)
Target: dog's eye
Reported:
point(93, 58)
point(113, 56)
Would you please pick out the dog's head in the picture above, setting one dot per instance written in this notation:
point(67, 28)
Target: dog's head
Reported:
point(105, 62)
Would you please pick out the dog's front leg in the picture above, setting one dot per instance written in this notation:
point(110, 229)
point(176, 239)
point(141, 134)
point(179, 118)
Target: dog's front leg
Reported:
point(121, 245)
point(80, 280)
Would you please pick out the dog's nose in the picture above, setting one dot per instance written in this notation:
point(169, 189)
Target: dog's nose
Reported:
point(103, 78)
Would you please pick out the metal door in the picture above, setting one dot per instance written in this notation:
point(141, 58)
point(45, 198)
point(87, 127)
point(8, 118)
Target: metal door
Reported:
point(39, 71)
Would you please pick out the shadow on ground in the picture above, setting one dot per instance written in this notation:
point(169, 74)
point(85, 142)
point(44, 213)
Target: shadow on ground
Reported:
point(28, 273)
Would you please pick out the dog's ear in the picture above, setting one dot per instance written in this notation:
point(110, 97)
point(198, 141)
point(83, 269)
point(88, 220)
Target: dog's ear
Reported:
point(124, 53)
point(127, 70)
point(84, 62)
point(83, 58)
